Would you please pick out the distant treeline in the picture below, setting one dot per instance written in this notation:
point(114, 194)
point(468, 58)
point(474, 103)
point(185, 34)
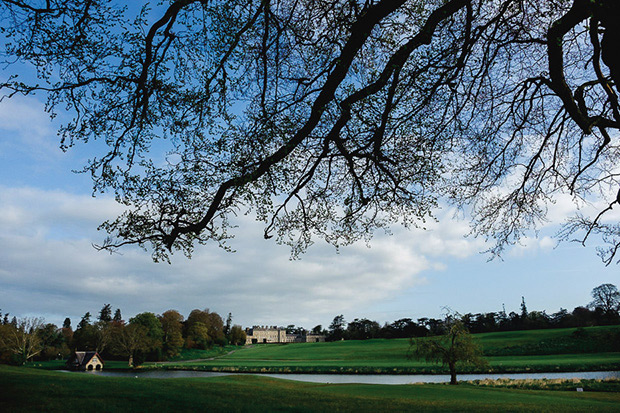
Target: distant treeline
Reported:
point(145, 336)
point(603, 310)
point(161, 337)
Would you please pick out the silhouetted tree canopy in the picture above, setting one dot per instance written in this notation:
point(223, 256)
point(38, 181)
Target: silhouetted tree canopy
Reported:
point(105, 314)
point(330, 119)
point(336, 329)
point(118, 318)
point(606, 297)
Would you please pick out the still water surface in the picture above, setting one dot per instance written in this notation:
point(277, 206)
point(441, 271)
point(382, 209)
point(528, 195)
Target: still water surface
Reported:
point(365, 378)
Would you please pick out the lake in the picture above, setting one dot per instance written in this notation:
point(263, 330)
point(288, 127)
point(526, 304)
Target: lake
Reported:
point(362, 378)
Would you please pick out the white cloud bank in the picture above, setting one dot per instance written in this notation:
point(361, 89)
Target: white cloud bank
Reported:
point(48, 266)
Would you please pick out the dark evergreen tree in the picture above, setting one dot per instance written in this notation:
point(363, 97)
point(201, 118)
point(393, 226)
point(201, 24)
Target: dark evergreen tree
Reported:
point(118, 318)
point(85, 335)
point(228, 324)
point(85, 321)
point(336, 328)
point(66, 323)
point(523, 309)
point(105, 314)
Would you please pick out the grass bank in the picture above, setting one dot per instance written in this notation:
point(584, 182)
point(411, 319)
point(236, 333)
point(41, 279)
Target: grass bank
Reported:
point(30, 390)
point(554, 341)
point(507, 352)
point(194, 354)
point(505, 364)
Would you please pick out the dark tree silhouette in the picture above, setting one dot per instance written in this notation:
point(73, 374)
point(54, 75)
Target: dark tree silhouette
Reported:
point(105, 314)
point(606, 297)
point(336, 329)
point(331, 118)
point(118, 318)
point(85, 321)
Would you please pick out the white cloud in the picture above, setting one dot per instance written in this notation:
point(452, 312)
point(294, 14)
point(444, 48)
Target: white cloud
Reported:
point(547, 243)
point(445, 238)
point(31, 211)
point(565, 206)
point(45, 250)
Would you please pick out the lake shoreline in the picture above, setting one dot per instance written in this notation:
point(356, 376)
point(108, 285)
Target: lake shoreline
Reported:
point(365, 378)
point(396, 371)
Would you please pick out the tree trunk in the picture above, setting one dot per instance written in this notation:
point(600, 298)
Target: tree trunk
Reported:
point(610, 58)
point(453, 373)
point(608, 14)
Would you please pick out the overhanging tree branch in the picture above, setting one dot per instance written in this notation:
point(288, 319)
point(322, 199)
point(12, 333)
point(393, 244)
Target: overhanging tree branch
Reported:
point(328, 118)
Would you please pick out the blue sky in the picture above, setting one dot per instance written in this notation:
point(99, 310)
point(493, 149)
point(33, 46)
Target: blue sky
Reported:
point(49, 268)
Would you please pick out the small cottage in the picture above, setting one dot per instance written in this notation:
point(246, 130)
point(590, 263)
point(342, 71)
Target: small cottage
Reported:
point(85, 361)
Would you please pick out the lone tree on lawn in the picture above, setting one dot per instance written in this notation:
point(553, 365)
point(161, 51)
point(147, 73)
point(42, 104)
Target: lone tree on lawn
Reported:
point(452, 349)
point(331, 118)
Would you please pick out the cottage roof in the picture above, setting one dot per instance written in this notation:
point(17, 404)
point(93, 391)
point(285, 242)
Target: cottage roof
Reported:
point(82, 358)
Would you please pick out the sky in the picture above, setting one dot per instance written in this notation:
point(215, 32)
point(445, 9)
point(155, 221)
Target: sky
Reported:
point(49, 268)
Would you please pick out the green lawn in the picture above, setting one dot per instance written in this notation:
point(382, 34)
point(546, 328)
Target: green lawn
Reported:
point(514, 364)
point(389, 356)
point(394, 349)
point(193, 354)
point(553, 341)
point(30, 390)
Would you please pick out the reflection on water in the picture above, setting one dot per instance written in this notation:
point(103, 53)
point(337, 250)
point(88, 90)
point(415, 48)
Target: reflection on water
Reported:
point(365, 378)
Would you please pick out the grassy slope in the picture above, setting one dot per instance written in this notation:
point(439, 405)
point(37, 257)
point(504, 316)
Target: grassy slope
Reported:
point(555, 341)
point(37, 390)
point(193, 354)
point(388, 356)
point(568, 362)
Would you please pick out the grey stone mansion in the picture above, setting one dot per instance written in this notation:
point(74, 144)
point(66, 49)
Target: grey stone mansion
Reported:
point(266, 334)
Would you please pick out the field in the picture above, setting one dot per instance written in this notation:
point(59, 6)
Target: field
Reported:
point(30, 390)
point(518, 351)
point(507, 364)
point(26, 389)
